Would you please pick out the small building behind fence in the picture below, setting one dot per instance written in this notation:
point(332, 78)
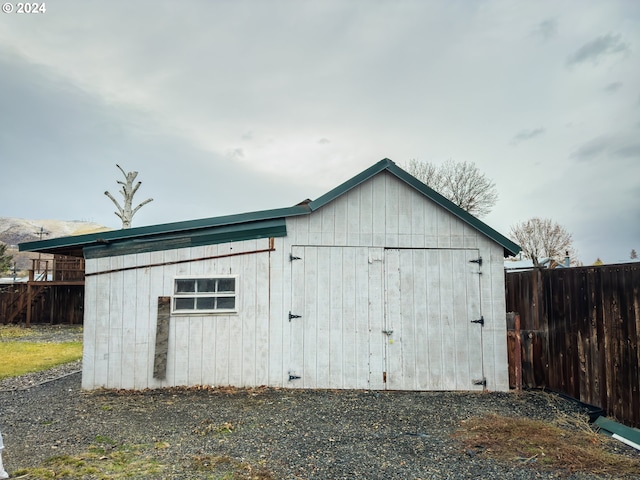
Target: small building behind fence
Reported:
point(52, 293)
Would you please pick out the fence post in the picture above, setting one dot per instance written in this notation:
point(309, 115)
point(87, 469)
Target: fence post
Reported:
point(29, 300)
point(518, 353)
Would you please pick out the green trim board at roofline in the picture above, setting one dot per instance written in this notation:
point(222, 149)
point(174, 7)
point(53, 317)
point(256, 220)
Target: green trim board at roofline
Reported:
point(74, 245)
point(234, 227)
point(206, 236)
point(510, 248)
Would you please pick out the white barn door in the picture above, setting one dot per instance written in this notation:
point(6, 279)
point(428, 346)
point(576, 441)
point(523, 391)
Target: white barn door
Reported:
point(332, 315)
point(374, 318)
point(432, 319)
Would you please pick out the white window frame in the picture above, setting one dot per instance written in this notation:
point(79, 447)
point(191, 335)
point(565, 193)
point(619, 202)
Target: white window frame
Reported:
point(175, 295)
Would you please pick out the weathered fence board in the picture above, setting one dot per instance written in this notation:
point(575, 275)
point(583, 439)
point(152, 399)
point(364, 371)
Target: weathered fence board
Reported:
point(53, 304)
point(579, 331)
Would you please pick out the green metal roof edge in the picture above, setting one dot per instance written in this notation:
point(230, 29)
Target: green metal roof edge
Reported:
point(209, 236)
point(510, 248)
point(160, 229)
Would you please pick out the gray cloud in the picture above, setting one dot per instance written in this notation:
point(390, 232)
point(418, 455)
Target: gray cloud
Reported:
point(613, 87)
point(629, 151)
point(324, 141)
point(591, 150)
point(546, 29)
point(236, 154)
point(608, 147)
point(597, 49)
point(525, 135)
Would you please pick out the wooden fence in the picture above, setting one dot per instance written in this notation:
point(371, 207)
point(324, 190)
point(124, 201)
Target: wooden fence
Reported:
point(54, 304)
point(579, 334)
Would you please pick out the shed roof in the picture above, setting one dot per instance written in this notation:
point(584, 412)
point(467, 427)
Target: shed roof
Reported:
point(251, 225)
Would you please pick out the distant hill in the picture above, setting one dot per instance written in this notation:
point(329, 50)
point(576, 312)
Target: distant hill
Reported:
point(18, 230)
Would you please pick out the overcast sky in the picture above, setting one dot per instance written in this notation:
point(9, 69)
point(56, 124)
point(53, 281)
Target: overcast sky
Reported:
point(234, 106)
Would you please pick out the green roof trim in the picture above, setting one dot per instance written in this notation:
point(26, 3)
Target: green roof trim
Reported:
point(74, 245)
point(206, 236)
point(260, 224)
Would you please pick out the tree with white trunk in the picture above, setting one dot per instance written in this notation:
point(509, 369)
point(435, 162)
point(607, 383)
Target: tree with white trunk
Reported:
point(128, 190)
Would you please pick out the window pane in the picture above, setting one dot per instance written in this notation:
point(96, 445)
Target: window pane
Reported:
point(227, 285)
point(226, 302)
point(185, 286)
point(206, 285)
point(206, 303)
point(183, 304)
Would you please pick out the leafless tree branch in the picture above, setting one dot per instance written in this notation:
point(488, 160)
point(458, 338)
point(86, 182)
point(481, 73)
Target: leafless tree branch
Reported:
point(541, 238)
point(460, 182)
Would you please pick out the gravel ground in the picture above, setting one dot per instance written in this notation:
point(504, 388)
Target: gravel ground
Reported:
point(294, 434)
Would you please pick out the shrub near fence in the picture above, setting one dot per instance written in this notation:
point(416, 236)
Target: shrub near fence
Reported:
point(579, 334)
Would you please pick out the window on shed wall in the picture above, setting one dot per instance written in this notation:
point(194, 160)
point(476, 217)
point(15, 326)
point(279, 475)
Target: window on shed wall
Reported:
point(205, 295)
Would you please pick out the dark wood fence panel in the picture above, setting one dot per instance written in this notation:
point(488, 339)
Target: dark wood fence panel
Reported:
point(54, 304)
point(579, 330)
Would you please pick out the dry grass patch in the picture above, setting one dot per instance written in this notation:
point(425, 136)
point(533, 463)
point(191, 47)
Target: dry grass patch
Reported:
point(8, 332)
point(102, 463)
point(568, 445)
point(18, 358)
point(209, 427)
point(225, 468)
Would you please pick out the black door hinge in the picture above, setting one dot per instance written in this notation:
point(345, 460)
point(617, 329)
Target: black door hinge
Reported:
point(292, 257)
point(294, 377)
point(292, 315)
point(482, 382)
point(478, 261)
point(480, 321)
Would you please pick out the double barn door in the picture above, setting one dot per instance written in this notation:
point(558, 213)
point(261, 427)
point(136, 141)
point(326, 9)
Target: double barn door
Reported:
point(378, 318)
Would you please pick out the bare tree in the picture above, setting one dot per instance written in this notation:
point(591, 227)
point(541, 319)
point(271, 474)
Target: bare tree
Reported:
point(542, 238)
point(633, 255)
point(460, 182)
point(128, 190)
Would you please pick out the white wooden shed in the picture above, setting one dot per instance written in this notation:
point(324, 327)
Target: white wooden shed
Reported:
point(381, 283)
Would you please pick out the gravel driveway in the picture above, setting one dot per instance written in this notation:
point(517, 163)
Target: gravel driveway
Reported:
point(292, 434)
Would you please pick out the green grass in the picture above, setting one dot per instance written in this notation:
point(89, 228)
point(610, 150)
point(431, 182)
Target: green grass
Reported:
point(18, 358)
